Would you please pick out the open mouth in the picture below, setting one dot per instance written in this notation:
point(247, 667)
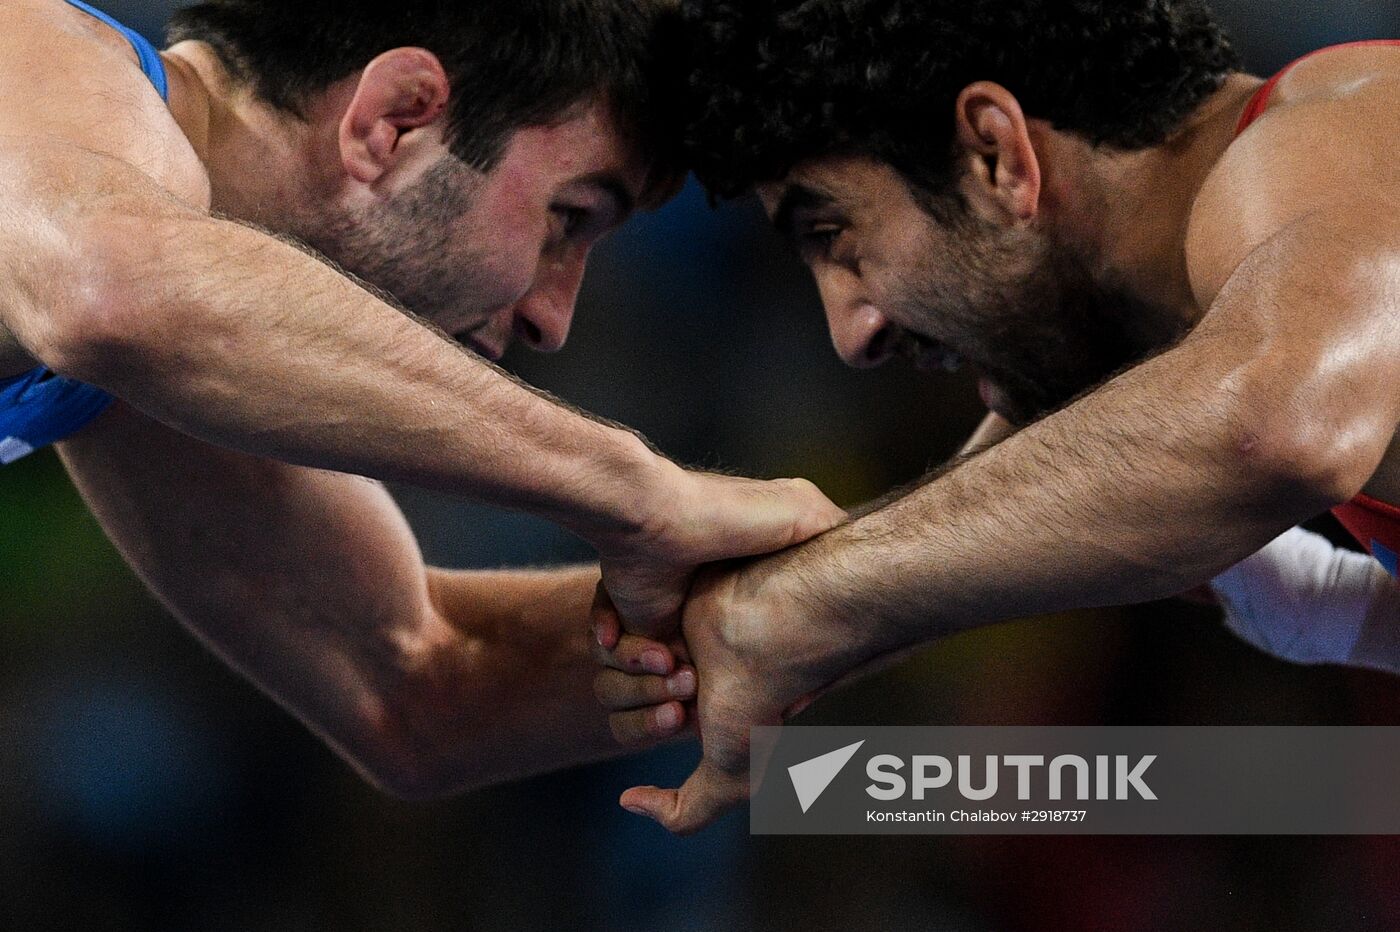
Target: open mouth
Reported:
point(930, 355)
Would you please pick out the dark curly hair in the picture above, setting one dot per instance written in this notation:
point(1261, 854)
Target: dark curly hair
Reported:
point(764, 84)
point(512, 63)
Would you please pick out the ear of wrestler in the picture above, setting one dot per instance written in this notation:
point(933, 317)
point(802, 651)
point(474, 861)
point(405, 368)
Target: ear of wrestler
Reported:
point(401, 90)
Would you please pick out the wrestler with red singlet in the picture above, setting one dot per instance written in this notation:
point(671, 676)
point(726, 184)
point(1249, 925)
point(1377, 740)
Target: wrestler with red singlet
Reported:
point(1195, 328)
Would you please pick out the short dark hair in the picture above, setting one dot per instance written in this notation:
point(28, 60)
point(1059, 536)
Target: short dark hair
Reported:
point(765, 84)
point(512, 63)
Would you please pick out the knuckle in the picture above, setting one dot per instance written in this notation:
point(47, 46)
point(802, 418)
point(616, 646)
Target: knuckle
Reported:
point(804, 487)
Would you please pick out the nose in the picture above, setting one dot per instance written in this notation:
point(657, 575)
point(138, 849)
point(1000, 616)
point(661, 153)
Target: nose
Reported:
point(543, 317)
point(863, 337)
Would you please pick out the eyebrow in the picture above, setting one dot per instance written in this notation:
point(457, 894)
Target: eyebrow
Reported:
point(797, 197)
point(614, 187)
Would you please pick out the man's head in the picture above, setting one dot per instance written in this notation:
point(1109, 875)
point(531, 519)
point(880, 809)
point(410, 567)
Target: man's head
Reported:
point(463, 156)
point(900, 144)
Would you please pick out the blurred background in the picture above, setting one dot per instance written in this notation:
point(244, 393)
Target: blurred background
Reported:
point(143, 786)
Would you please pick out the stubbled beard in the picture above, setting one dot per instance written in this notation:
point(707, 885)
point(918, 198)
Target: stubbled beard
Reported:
point(1029, 316)
point(399, 246)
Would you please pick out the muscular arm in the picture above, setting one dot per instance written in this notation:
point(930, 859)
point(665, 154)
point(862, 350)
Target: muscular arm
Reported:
point(1279, 405)
point(113, 272)
point(311, 584)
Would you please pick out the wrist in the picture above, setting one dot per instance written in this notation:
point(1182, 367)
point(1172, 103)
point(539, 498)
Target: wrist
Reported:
point(632, 487)
point(821, 636)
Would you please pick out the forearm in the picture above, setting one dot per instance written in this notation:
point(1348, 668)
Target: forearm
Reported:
point(1144, 489)
point(491, 682)
point(488, 681)
point(310, 584)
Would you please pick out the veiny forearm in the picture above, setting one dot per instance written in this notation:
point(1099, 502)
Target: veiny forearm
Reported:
point(1144, 489)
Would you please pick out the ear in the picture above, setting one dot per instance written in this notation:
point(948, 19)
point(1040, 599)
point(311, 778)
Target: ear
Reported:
point(401, 90)
point(1004, 172)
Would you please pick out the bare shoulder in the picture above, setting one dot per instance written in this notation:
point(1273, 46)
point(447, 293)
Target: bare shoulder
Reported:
point(67, 79)
point(1326, 140)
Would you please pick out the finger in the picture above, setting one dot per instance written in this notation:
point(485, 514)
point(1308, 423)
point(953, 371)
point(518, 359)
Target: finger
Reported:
point(707, 795)
point(647, 726)
point(618, 691)
point(635, 654)
point(604, 619)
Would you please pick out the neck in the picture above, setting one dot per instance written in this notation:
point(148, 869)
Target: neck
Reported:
point(231, 132)
point(1127, 213)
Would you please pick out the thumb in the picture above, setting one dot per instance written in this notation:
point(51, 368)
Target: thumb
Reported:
point(708, 794)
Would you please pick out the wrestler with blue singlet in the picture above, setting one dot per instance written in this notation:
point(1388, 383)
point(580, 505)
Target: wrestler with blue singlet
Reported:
point(212, 383)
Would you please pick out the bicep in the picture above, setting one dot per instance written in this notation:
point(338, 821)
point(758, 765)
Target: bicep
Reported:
point(1295, 255)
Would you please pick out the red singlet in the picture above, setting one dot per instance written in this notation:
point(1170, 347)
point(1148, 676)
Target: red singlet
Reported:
point(1374, 524)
